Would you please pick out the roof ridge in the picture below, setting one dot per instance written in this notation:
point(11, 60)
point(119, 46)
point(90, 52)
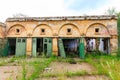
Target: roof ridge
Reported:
point(62, 18)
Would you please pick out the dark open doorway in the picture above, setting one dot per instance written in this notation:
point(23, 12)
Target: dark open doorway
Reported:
point(71, 47)
point(42, 46)
point(100, 44)
point(39, 46)
point(12, 46)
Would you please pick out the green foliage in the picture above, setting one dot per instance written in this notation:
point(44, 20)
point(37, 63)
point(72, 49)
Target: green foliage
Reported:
point(118, 52)
point(39, 66)
point(32, 68)
point(72, 55)
point(78, 73)
point(106, 65)
point(118, 28)
point(111, 11)
point(24, 71)
point(72, 61)
point(68, 74)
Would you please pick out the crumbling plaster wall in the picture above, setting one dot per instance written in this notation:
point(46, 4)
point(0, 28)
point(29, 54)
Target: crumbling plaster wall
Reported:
point(57, 28)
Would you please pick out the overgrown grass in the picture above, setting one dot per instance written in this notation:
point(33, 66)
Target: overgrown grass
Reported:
point(32, 68)
point(105, 64)
point(68, 74)
point(39, 67)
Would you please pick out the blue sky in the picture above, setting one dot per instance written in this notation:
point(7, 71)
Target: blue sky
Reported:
point(42, 8)
point(91, 7)
point(86, 4)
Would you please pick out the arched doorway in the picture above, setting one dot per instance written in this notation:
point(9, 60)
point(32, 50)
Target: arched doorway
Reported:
point(16, 36)
point(42, 40)
point(97, 38)
point(69, 39)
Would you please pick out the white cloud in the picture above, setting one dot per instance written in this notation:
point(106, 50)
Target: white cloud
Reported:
point(48, 8)
point(31, 8)
point(101, 10)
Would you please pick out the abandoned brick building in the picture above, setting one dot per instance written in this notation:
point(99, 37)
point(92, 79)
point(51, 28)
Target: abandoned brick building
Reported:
point(59, 35)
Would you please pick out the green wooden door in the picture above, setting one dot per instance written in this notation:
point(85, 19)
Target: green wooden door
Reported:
point(34, 43)
point(61, 49)
point(20, 46)
point(4, 50)
point(47, 46)
point(81, 48)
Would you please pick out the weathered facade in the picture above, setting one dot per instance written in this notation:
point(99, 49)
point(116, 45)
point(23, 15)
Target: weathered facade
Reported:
point(60, 35)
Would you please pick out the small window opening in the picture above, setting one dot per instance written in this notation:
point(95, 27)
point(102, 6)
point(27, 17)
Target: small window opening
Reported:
point(97, 30)
point(42, 31)
point(69, 30)
point(17, 30)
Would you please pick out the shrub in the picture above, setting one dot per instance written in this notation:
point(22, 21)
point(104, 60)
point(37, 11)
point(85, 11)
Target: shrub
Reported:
point(118, 53)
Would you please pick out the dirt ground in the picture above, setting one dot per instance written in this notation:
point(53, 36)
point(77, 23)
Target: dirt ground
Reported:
point(9, 72)
point(61, 67)
point(78, 78)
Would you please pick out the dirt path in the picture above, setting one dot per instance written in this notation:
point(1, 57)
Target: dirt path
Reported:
point(61, 68)
point(12, 72)
point(9, 72)
point(78, 78)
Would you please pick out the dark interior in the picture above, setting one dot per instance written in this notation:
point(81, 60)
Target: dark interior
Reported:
point(12, 46)
point(71, 47)
point(39, 46)
point(97, 44)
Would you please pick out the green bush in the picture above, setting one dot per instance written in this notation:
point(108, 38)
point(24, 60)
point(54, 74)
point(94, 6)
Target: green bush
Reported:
point(118, 53)
point(72, 61)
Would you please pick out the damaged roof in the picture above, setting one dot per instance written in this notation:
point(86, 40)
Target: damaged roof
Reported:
point(2, 24)
point(101, 17)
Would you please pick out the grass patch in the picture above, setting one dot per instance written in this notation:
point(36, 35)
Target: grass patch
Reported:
point(39, 67)
point(68, 74)
point(32, 68)
point(105, 65)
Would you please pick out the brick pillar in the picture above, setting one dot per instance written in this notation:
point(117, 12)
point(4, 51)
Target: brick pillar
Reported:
point(55, 46)
point(29, 47)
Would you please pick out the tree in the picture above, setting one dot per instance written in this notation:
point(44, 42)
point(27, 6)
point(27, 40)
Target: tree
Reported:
point(118, 28)
point(111, 11)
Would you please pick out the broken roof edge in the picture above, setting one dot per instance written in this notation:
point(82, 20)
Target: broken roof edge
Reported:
point(2, 24)
point(94, 17)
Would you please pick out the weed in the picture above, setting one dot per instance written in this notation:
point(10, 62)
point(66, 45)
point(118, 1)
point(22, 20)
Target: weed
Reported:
point(118, 53)
point(24, 70)
point(106, 65)
point(78, 73)
point(72, 61)
point(39, 67)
